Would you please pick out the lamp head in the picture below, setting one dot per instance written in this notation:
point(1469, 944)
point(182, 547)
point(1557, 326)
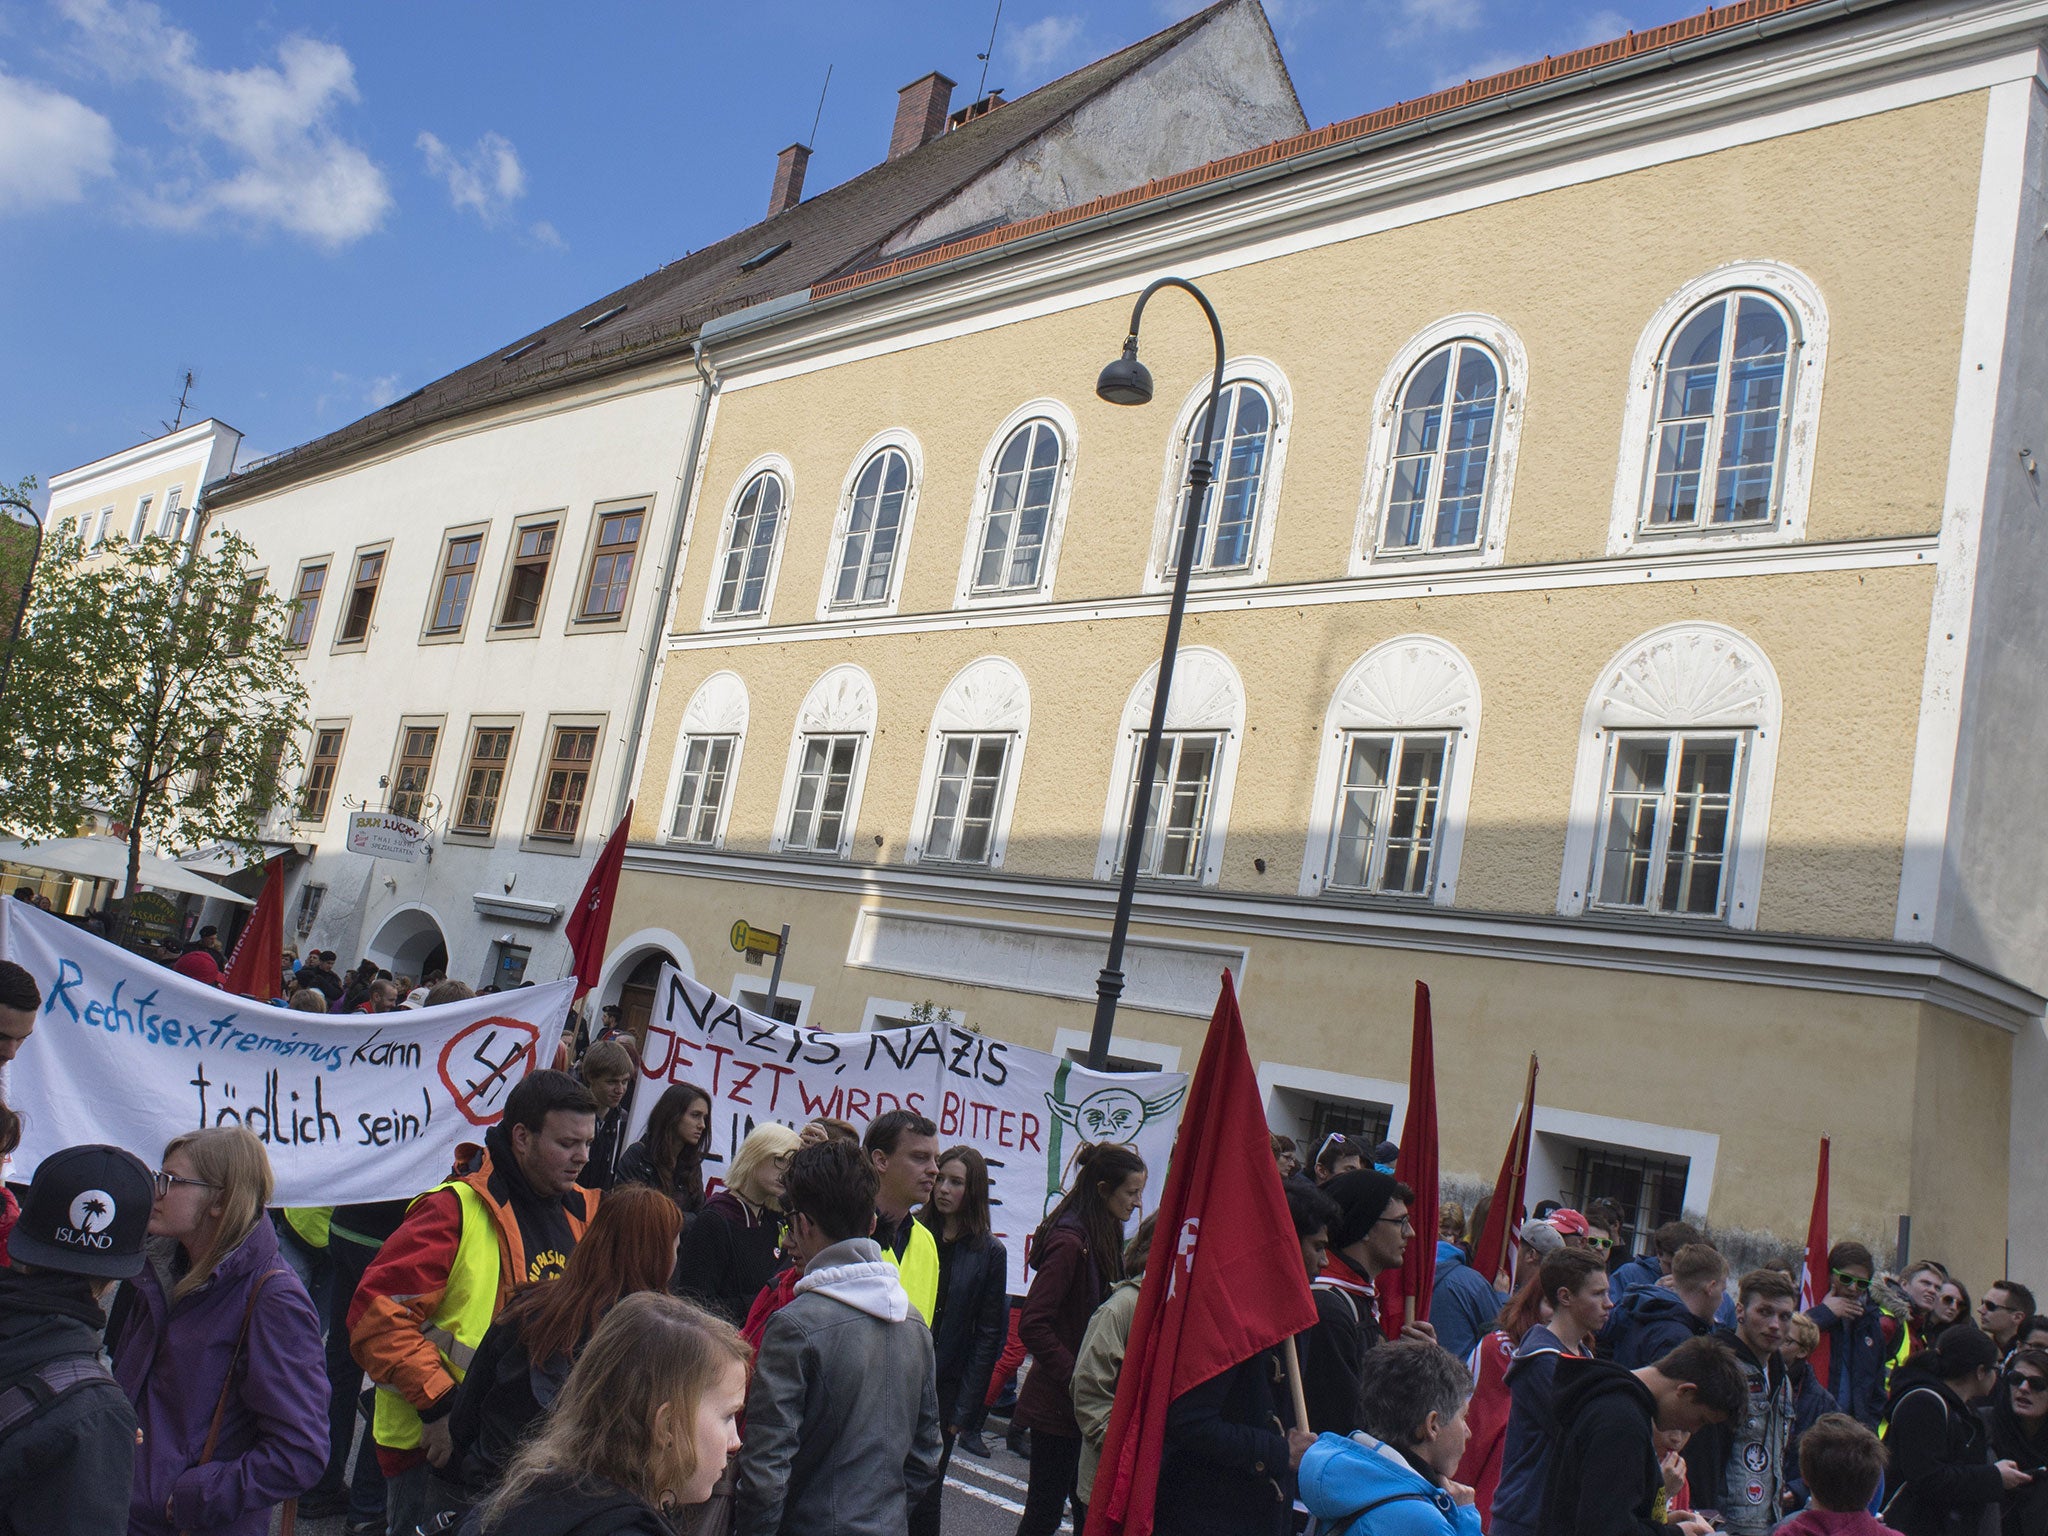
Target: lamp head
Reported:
point(1126, 381)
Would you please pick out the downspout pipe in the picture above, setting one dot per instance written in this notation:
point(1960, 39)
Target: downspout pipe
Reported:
point(686, 477)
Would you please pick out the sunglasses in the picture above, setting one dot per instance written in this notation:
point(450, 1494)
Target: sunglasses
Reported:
point(1854, 1282)
point(1602, 1244)
point(166, 1182)
point(1988, 1305)
point(2025, 1381)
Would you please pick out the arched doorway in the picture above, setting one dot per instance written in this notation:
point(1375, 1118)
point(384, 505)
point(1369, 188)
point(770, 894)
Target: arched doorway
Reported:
point(410, 944)
point(632, 971)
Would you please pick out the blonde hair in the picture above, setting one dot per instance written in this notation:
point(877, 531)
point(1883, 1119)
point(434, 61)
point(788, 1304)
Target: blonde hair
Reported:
point(652, 1348)
point(771, 1139)
point(230, 1158)
point(1803, 1332)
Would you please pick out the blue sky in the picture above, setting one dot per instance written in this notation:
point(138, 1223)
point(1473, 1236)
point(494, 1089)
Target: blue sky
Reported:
point(318, 209)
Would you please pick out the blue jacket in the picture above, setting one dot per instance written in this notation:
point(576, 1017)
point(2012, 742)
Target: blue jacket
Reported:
point(1364, 1487)
point(1856, 1365)
point(1531, 1435)
point(1462, 1305)
point(1648, 1326)
point(1633, 1276)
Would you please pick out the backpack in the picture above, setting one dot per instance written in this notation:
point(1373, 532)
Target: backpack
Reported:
point(48, 1384)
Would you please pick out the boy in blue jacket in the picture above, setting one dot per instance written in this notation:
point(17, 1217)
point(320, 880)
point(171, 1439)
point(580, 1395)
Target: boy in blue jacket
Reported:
point(1393, 1478)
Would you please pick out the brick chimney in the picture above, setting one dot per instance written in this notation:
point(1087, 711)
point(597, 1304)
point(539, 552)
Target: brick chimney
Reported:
point(789, 179)
point(920, 113)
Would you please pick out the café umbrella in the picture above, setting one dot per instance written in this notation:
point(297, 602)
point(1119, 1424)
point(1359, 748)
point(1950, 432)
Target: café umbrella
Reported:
point(106, 858)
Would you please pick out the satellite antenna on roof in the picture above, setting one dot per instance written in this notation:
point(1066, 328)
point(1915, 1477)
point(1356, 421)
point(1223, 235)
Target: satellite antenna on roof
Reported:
point(813, 143)
point(981, 90)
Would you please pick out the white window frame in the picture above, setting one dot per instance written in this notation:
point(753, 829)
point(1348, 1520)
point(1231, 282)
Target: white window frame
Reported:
point(1207, 696)
point(1063, 421)
point(1166, 517)
point(102, 528)
point(1512, 360)
point(1627, 529)
point(841, 703)
point(1555, 1130)
point(769, 464)
point(141, 524)
point(1410, 684)
point(1657, 855)
point(987, 697)
point(1695, 678)
point(719, 707)
point(174, 507)
point(907, 444)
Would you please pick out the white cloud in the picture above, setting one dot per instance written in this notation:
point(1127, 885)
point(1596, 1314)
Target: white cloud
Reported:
point(544, 233)
point(1422, 17)
point(487, 180)
point(51, 145)
point(350, 394)
point(257, 146)
point(1039, 45)
point(1598, 27)
point(1479, 69)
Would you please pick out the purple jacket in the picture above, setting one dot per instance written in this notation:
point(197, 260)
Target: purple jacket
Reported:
point(172, 1362)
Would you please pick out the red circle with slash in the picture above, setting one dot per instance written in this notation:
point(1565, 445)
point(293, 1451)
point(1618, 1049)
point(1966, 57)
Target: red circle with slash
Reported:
point(490, 1068)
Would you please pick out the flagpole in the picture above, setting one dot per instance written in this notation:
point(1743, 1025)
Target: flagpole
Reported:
point(1293, 1364)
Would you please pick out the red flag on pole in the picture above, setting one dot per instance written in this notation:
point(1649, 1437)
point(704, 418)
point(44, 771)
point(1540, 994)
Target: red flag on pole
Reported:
point(257, 965)
point(1816, 1282)
point(1224, 1279)
point(1404, 1292)
point(590, 925)
point(1504, 1216)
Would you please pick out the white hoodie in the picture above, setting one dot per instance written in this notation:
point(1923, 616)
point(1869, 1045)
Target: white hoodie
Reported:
point(854, 1272)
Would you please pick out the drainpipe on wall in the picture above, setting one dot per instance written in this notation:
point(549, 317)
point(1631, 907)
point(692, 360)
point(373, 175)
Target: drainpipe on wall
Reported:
point(686, 476)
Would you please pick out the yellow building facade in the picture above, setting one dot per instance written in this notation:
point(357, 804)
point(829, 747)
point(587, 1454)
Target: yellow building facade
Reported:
point(1595, 620)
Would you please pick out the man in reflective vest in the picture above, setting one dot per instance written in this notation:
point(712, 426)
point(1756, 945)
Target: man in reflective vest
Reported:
point(903, 1149)
point(508, 1218)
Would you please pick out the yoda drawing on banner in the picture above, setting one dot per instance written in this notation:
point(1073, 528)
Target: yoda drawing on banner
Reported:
point(1105, 1114)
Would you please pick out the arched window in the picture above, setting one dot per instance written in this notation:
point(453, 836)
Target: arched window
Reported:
point(1190, 805)
point(1223, 536)
point(1721, 402)
point(1443, 449)
point(744, 576)
point(1724, 402)
point(828, 754)
point(707, 761)
point(1017, 524)
point(1395, 774)
point(1672, 794)
point(875, 516)
point(972, 759)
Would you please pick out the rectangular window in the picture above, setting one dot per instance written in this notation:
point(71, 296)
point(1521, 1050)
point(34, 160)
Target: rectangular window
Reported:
point(310, 897)
point(611, 565)
point(700, 792)
point(141, 525)
point(416, 744)
point(964, 799)
point(1387, 818)
point(1649, 1189)
point(321, 767)
point(568, 781)
point(306, 605)
point(245, 614)
point(1177, 828)
point(824, 784)
point(532, 551)
point(483, 778)
point(103, 527)
point(458, 576)
point(362, 597)
point(1669, 823)
point(173, 525)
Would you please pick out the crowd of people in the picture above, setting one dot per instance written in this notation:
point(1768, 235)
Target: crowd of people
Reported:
point(580, 1334)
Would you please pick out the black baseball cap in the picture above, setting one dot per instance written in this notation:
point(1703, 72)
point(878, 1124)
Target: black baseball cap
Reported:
point(86, 1213)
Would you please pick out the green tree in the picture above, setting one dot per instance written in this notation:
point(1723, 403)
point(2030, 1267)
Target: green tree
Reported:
point(150, 683)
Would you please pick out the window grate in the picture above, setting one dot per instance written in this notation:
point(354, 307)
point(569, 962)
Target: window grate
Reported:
point(1347, 1117)
point(1649, 1190)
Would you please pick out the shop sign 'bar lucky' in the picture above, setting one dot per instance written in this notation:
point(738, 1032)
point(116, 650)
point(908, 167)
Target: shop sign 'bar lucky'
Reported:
point(351, 1108)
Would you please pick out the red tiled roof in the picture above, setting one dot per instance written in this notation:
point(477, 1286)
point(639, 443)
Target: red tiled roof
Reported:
point(1401, 114)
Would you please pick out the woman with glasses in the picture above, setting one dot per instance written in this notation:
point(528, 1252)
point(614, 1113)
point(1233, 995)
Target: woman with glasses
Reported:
point(219, 1349)
point(1943, 1477)
point(2018, 1420)
point(733, 1248)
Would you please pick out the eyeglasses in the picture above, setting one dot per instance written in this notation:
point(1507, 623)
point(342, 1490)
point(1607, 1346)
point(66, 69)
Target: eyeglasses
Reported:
point(1853, 1281)
point(165, 1182)
point(1988, 1305)
point(1407, 1227)
point(2025, 1381)
point(784, 1160)
point(1602, 1244)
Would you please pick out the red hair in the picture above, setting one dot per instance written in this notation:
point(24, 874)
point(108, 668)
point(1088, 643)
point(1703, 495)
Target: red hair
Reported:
point(1524, 1310)
point(629, 1246)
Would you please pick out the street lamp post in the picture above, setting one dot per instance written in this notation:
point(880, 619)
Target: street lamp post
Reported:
point(1129, 382)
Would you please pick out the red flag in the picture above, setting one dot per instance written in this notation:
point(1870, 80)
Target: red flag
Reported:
point(1224, 1279)
point(590, 925)
point(1816, 1282)
point(1404, 1292)
point(257, 965)
point(1504, 1216)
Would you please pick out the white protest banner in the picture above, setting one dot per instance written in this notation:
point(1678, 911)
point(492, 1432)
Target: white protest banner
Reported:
point(1028, 1112)
point(351, 1108)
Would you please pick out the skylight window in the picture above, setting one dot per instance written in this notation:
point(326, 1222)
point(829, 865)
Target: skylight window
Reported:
point(522, 349)
point(762, 260)
point(596, 320)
